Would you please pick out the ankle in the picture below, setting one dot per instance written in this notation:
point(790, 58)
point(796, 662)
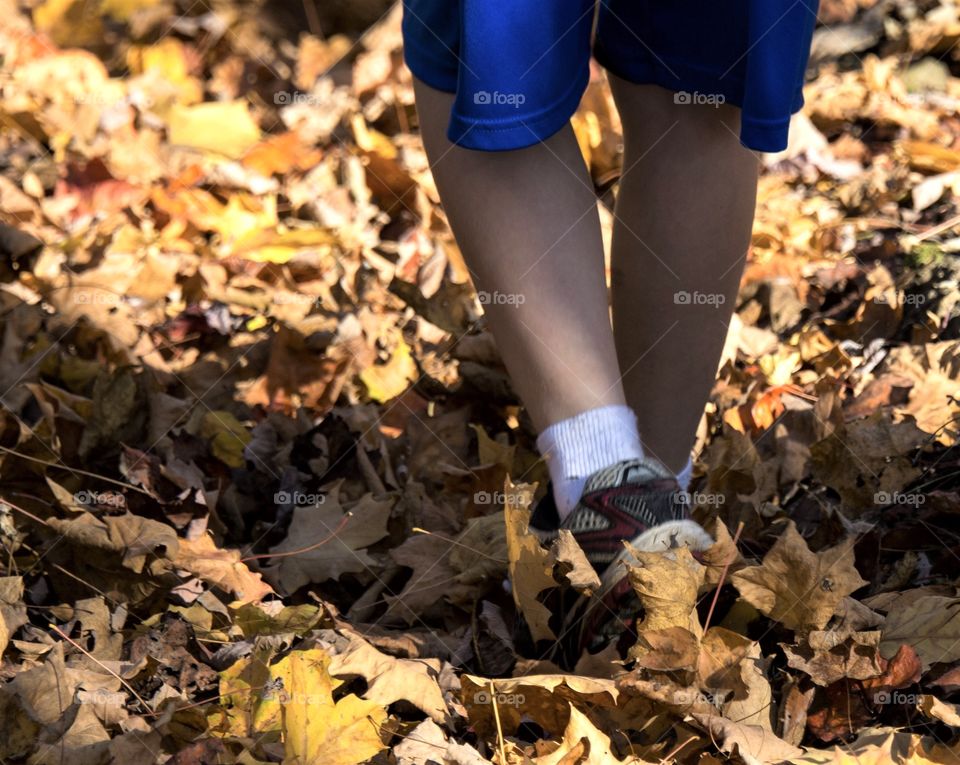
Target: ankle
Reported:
point(579, 446)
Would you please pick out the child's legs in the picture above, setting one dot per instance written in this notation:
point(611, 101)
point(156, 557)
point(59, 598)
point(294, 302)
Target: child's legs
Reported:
point(528, 227)
point(684, 215)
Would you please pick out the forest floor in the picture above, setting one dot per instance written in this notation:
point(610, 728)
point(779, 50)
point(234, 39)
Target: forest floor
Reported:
point(264, 482)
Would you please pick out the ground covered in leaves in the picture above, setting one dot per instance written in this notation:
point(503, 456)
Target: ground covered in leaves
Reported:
point(255, 442)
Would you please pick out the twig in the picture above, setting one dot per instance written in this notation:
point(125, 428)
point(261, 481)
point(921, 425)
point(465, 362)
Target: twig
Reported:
point(62, 466)
point(90, 656)
point(723, 575)
point(343, 522)
point(27, 513)
point(939, 228)
point(671, 755)
point(496, 718)
point(417, 530)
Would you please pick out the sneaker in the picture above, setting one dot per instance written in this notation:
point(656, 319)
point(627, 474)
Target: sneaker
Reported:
point(637, 501)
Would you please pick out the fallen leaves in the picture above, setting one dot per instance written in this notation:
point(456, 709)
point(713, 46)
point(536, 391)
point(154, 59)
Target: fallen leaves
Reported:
point(427, 743)
point(390, 679)
point(225, 128)
point(544, 698)
point(13, 612)
point(754, 743)
point(449, 570)
point(667, 587)
point(220, 568)
point(326, 540)
point(797, 587)
point(240, 346)
point(315, 728)
point(530, 564)
point(930, 624)
point(291, 701)
point(582, 743)
point(140, 543)
point(389, 380)
point(828, 660)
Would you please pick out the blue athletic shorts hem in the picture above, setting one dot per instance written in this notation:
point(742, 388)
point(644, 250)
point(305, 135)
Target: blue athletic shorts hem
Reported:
point(496, 135)
point(755, 133)
point(766, 137)
point(518, 68)
point(527, 129)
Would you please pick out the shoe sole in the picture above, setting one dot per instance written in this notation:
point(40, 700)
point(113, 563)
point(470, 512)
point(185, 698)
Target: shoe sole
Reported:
point(661, 538)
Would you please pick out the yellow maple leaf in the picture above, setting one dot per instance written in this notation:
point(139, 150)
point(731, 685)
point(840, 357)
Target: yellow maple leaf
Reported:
point(292, 700)
point(530, 565)
point(387, 381)
point(317, 730)
point(247, 706)
point(218, 127)
point(273, 246)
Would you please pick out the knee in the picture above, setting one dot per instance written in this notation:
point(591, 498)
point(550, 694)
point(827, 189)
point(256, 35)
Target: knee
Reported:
point(651, 114)
point(712, 124)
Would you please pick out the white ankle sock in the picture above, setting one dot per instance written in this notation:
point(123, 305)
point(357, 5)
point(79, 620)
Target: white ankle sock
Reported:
point(580, 446)
point(685, 474)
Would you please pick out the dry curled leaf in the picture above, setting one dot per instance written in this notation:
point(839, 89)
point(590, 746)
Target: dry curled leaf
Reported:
point(574, 566)
point(427, 743)
point(390, 679)
point(583, 744)
point(722, 557)
point(722, 653)
point(530, 564)
point(827, 660)
point(797, 587)
point(933, 707)
point(324, 541)
point(544, 698)
point(221, 568)
point(930, 624)
point(667, 586)
point(757, 745)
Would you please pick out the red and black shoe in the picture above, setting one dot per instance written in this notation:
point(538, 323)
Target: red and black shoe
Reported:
point(637, 501)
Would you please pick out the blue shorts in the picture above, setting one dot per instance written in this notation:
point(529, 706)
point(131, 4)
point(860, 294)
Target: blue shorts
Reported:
point(519, 67)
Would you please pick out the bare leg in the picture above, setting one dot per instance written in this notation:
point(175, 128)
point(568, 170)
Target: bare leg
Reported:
point(684, 214)
point(528, 227)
